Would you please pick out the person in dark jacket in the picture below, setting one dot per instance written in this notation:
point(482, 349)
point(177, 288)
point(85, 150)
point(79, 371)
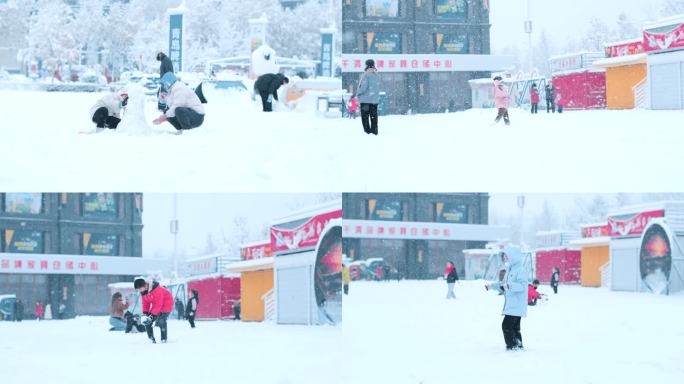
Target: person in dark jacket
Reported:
point(550, 98)
point(166, 65)
point(236, 309)
point(368, 93)
point(180, 310)
point(555, 279)
point(451, 276)
point(18, 310)
point(267, 87)
point(191, 308)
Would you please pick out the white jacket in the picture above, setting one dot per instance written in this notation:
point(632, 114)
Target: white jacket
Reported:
point(181, 95)
point(110, 101)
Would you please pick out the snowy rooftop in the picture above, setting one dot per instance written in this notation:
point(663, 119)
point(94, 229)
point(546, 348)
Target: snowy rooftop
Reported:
point(602, 240)
point(620, 61)
point(666, 22)
point(251, 265)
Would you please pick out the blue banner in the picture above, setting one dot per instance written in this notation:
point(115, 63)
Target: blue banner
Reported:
point(326, 54)
point(176, 41)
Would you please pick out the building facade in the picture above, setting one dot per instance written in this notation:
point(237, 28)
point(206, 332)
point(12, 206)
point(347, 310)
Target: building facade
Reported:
point(429, 29)
point(35, 228)
point(415, 257)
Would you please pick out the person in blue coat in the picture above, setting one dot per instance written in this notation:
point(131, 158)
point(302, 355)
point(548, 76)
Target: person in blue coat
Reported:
point(514, 285)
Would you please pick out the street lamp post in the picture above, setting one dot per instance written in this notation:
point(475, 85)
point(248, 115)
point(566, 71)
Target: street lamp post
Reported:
point(528, 30)
point(174, 232)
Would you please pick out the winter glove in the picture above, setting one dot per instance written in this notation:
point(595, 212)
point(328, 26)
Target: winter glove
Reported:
point(148, 319)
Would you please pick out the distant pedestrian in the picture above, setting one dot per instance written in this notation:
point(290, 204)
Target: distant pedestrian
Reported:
point(61, 311)
point(236, 309)
point(501, 100)
point(165, 64)
point(534, 98)
point(191, 307)
point(550, 93)
point(451, 277)
point(368, 93)
point(346, 279)
point(555, 279)
point(180, 310)
point(48, 311)
point(378, 272)
point(386, 272)
point(19, 310)
point(39, 310)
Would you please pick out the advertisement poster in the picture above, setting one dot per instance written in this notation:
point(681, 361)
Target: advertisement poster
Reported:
point(451, 213)
point(97, 244)
point(382, 8)
point(99, 205)
point(383, 43)
point(258, 251)
point(625, 225)
point(302, 237)
point(23, 241)
point(384, 210)
point(660, 41)
point(328, 276)
point(656, 259)
point(31, 203)
point(456, 44)
point(451, 9)
point(625, 49)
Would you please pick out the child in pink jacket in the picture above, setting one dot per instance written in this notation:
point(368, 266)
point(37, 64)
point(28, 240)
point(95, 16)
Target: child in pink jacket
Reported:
point(501, 99)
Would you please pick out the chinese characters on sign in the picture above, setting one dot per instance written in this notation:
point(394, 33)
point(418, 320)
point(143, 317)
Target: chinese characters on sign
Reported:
point(47, 266)
point(176, 41)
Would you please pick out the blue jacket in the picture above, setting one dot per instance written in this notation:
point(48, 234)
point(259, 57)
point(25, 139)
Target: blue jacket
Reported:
point(515, 303)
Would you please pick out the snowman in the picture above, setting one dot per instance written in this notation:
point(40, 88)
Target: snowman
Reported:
point(133, 121)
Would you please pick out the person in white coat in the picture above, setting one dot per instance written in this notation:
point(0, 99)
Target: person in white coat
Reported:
point(106, 113)
point(185, 109)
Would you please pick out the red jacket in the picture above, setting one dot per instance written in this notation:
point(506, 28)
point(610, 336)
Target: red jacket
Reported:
point(532, 293)
point(157, 300)
point(534, 95)
point(39, 310)
point(448, 269)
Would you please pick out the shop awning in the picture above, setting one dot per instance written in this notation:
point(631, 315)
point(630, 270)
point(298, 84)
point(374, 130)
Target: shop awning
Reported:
point(250, 265)
point(591, 241)
point(621, 61)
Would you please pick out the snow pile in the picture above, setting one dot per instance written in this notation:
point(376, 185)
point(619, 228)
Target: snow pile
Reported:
point(133, 121)
point(408, 333)
point(83, 351)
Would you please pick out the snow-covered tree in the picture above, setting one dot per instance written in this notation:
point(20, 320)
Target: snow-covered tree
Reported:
point(673, 7)
point(598, 34)
point(543, 51)
point(14, 23)
point(626, 29)
point(51, 33)
point(547, 219)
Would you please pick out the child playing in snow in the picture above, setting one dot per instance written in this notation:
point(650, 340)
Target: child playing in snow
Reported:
point(534, 98)
point(501, 99)
point(106, 113)
point(532, 294)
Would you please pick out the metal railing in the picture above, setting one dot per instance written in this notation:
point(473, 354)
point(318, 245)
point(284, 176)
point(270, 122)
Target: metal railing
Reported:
point(605, 275)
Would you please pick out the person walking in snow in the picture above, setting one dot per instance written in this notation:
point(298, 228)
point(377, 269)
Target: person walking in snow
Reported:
point(180, 311)
point(39, 310)
point(165, 64)
point(267, 87)
point(18, 310)
point(106, 113)
point(501, 100)
point(555, 279)
point(550, 91)
point(157, 304)
point(61, 311)
point(451, 276)
point(534, 98)
point(368, 93)
point(191, 308)
point(515, 292)
point(185, 109)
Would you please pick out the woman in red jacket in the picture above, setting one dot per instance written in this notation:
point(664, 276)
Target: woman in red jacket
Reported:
point(534, 98)
point(157, 305)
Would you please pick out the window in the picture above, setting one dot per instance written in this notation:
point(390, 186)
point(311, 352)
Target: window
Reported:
point(26, 203)
point(98, 244)
point(454, 44)
point(451, 9)
point(22, 241)
point(451, 213)
point(99, 205)
point(382, 8)
point(383, 42)
point(380, 209)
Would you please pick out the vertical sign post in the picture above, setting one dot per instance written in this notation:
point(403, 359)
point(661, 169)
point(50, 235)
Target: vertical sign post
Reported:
point(327, 46)
point(176, 36)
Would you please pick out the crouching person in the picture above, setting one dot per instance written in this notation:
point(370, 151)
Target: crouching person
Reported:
point(185, 109)
point(119, 305)
point(157, 304)
point(106, 113)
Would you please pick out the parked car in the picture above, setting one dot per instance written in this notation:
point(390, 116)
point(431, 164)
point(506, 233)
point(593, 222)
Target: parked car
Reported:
point(7, 307)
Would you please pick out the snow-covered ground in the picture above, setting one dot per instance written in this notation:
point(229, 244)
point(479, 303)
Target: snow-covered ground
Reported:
point(408, 333)
point(241, 149)
point(82, 350)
